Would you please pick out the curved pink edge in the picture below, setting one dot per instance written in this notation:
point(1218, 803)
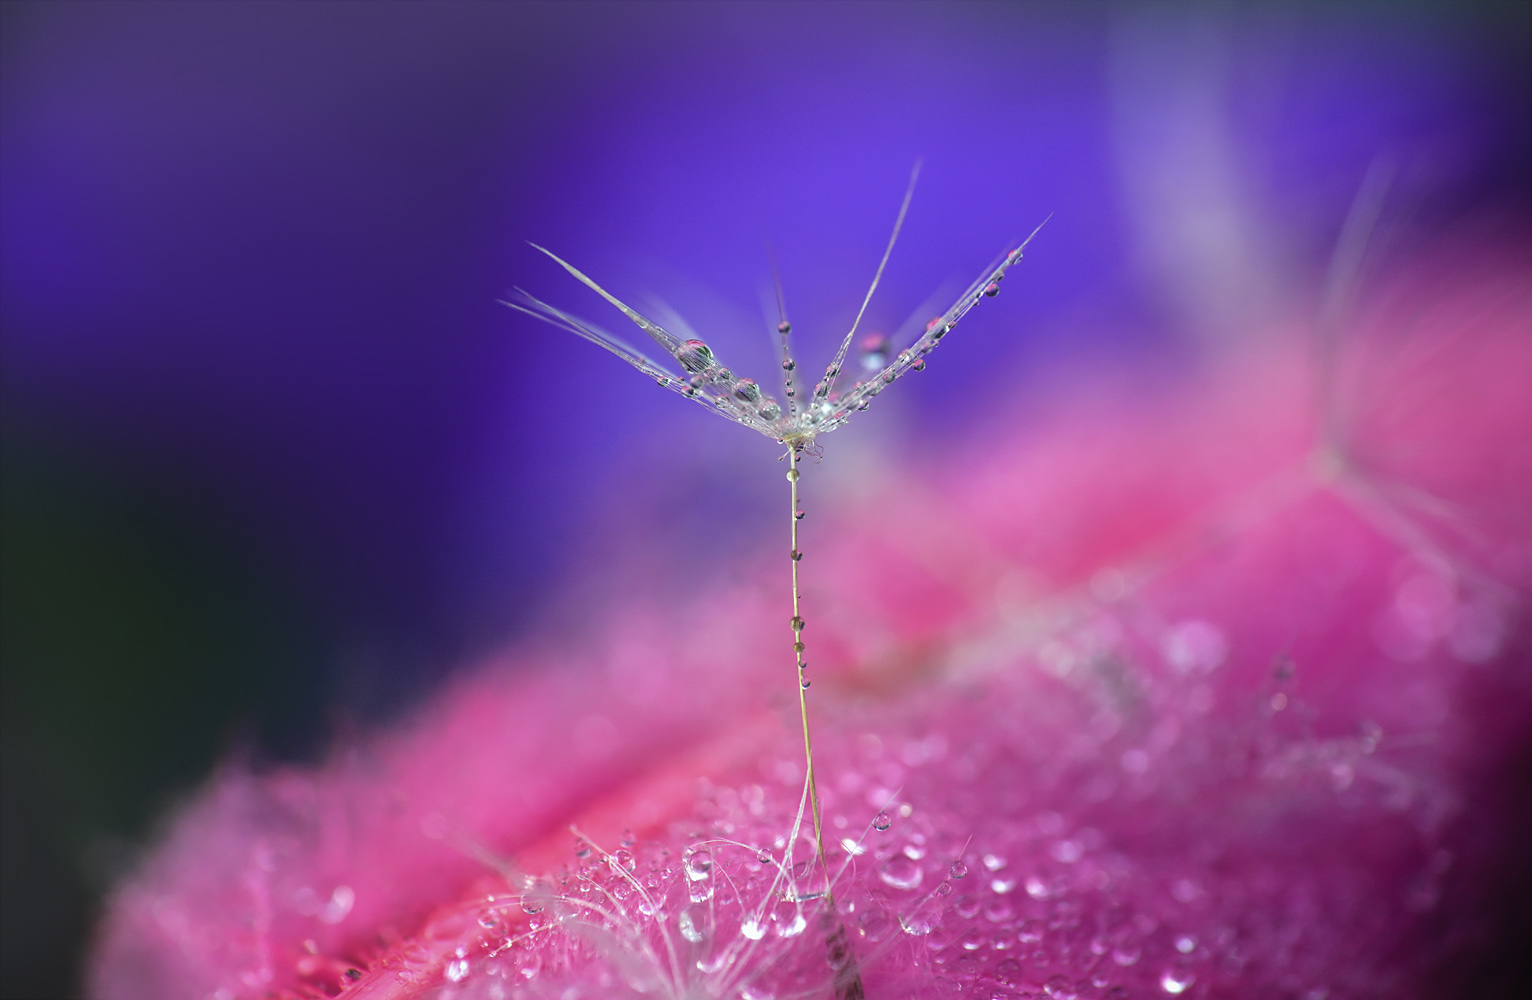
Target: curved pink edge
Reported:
point(1152, 672)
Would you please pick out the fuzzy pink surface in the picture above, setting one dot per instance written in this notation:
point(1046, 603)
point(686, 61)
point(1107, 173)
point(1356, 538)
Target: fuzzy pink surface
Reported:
point(1159, 697)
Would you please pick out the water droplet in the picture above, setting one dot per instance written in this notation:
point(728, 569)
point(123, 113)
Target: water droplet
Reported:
point(1036, 887)
point(1060, 988)
point(900, 872)
point(581, 848)
point(698, 864)
point(1003, 884)
point(1175, 981)
point(796, 555)
point(798, 515)
point(1030, 932)
point(881, 821)
point(1127, 953)
point(805, 682)
point(992, 289)
point(792, 475)
point(529, 907)
point(958, 869)
point(918, 924)
point(746, 391)
point(624, 860)
point(914, 851)
point(771, 410)
point(457, 970)
point(695, 356)
point(700, 892)
point(784, 327)
point(689, 929)
point(973, 941)
point(753, 929)
point(788, 364)
point(993, 862)
point(695, 382)
point(919, 365)
point(998, 910)
point(798, 647)
point(875, 349)
point(1186, 944)
point(793, 927)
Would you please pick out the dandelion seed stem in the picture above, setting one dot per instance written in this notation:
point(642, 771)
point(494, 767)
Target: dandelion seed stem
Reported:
point(803, 702)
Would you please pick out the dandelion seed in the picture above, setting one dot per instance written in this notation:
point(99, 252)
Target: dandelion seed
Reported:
point(708, 382)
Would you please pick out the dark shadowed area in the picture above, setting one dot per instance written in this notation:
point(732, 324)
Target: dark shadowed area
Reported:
point(276, 461)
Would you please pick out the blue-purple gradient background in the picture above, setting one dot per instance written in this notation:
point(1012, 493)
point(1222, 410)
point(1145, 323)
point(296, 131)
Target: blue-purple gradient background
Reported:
point(275, 460)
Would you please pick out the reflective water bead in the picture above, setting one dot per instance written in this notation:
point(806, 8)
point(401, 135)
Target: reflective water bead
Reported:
point(1060, 988)
point(792, 475)
point(805, 682)
point(698, 864)
point(746, 391)
point(875, 350)
point(753, 929)
point(793, 927)
point(695, 356)
point(784, 327)
point(919, 365)
point(797, 623)
point(1174, 981)
point(689, 929)
point(881, 821)
point(797, 515)
point(900, 872)
point(797, 556)
point(958, 869)
point(788, 364)
point(771, 410)
point(992, 289)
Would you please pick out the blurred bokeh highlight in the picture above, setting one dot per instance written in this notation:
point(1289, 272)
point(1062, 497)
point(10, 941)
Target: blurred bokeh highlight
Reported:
point(276, 462)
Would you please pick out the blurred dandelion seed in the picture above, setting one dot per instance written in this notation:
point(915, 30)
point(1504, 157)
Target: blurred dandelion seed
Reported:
point(794, 422)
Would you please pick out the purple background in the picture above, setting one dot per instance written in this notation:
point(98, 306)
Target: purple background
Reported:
point(275, 460)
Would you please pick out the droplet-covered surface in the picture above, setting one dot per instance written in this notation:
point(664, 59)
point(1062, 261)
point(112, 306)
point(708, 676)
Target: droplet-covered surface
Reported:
point(1140, 707)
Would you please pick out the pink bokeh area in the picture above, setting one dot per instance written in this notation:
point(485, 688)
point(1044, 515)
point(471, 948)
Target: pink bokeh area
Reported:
point(1219, 690)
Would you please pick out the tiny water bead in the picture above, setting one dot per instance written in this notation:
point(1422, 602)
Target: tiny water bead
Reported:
point(881, 821)
point(958, 869)
point(695, 356)
point(784, 327)
point(1176, 981)
point(698, 864)
point(901, 872)
point(992, 289)
point(797, 623)
point(1060, 988)
point(875, 350)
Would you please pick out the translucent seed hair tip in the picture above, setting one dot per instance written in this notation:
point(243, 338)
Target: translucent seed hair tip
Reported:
point(802, 413)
